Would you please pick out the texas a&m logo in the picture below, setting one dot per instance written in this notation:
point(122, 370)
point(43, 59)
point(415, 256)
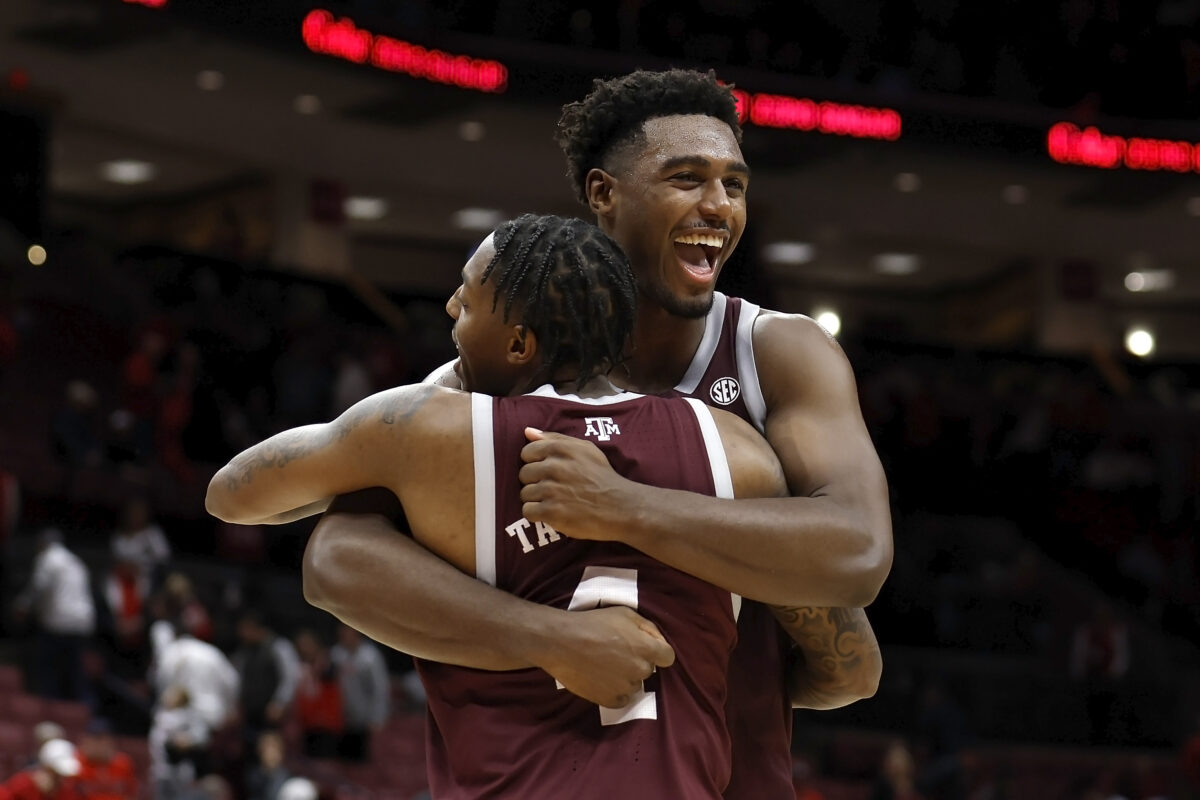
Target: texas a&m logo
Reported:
point(603, 428)
point(724, 391)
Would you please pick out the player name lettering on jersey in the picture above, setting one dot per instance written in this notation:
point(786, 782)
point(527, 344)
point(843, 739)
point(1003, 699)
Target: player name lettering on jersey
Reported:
point(520, 529)
point(603, 428)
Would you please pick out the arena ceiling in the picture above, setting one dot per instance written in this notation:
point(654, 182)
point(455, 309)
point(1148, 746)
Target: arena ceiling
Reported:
point(121, 81)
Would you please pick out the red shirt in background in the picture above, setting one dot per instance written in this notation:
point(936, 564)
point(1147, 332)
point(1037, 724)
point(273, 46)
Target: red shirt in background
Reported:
point(116, 780)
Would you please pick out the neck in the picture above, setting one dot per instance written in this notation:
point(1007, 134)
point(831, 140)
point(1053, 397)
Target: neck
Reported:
point(596, 386)
point(663, 348)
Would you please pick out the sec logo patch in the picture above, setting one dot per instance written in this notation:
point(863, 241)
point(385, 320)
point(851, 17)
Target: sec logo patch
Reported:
point(724, 391)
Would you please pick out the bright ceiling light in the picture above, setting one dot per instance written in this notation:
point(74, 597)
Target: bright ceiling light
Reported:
point(307, 104)
point(36, 255)
point(908, 182)
point(128, 171)
point(829, 320)
point(472, 131)
point(478, 219)
point(210, 80)
point(1140, 342)
point(896, 263)
point(789, 252)
point(1150, 280)
point(366, 208)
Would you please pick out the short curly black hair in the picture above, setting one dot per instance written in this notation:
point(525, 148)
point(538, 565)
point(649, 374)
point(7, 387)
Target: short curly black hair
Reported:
point(613, 112)
point(574, 287)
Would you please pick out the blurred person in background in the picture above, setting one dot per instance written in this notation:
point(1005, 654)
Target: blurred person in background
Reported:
point(269, 669)
point(178, 602)
point(207, 678)
point(318, 697)
point(1100, 658)
point(59, 596)
point(125, 590)
point(49, 778)
point(269, 772)
point(180, 743)
point(897, 774)
point(139, 538)
point(105, 772)
point(75, 432)
point(366, 691)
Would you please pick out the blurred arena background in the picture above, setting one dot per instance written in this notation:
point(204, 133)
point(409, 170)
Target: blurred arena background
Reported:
point(218, 220)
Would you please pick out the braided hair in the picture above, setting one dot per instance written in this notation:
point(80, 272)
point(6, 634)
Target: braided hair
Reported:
point(612, 114)
point(574, 288)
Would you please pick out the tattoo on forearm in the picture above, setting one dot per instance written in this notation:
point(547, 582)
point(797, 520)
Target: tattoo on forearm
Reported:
point(834, 644)
point(275, 452)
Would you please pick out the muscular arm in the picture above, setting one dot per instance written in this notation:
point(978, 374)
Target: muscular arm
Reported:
point(829, 544)
point(836, 660)
point(297, 472)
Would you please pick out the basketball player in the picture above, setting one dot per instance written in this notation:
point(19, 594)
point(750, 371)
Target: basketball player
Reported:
point(657, 158)
point(452, 459)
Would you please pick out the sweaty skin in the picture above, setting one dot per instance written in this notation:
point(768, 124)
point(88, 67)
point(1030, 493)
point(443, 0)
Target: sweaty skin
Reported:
point(824, 551)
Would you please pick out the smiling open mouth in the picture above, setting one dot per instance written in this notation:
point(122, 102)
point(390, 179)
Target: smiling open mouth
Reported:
point(698, 253)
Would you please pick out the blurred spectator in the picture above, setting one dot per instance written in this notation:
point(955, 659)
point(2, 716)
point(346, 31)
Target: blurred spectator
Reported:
point(56, 765)
point(208, 679)
point(366, 691)
point(176, 410)
point(269, 773)
point(180, 603)
point(140, 387)
point(210, 787)
point(298, 788)
point(59, 595)
point(941, 735)
point(897, 774)
point(269, 669)
point(106, 773)
point(180, 743)
point(1100, 657)
point(125, 592)
point(139, 539)
point(804, 778)
point(318, 697)
point(75, 433)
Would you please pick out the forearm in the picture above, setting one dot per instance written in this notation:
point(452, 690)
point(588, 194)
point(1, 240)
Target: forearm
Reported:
point(257, 485)
point(295, 514)
point(836, 660)
point(401, 595)
point(794, 551)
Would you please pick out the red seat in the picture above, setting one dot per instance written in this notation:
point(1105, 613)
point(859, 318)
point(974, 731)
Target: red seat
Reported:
point(72, 716)
point(26, 709)
point(16, 741)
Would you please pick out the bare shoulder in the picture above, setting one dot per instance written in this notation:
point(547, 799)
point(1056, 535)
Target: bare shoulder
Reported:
point(796, 357)
point(420, 405)
point(753, 465)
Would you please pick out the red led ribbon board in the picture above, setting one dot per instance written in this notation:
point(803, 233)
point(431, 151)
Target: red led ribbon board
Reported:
point(803, 114)
point(342, 38)
point(1090, 147)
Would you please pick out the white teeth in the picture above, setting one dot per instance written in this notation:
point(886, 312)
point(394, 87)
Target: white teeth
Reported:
point(700, 238)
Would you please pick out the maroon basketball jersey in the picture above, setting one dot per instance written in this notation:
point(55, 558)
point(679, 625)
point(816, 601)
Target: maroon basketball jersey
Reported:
point(758, 711)
point(516, 734)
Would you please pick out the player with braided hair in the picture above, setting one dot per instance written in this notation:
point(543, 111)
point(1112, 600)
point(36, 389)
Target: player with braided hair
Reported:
point(453, 459)
point(657, 158)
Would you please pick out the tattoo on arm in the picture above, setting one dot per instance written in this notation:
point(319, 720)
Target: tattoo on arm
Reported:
point(277, 451)
point(837, 652)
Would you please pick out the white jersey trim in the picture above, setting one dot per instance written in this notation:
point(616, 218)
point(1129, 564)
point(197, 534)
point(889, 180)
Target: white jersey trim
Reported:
point(718, 464)
point(547, 390)
point(708, 346)
point(485, 488)
point(747, 369)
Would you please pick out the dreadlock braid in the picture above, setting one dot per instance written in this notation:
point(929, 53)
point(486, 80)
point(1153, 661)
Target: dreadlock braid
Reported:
point(572, 286)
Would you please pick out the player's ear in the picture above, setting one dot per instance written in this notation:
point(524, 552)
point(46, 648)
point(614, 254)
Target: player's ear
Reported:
point(598, 185)
point(522, 345)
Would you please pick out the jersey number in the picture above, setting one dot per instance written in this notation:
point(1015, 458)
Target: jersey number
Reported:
point(612, 586)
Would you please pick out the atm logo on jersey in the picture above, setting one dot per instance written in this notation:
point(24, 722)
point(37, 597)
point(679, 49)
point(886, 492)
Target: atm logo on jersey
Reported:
point(603, 428)
point(724, 391)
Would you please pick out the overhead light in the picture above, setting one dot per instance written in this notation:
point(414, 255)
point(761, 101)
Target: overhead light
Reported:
point(210, 80)
point(1140, 342)
point(365, 207)
point(478, 219)
point(1015, 194)
point(307, 104)
point(472, 131)
point(128, 171)
point(896, 263)
point(789, 252)
point(1193, 206)
point(908, 181)
point(1150, 280)
point(36, 255)
point(829, 320)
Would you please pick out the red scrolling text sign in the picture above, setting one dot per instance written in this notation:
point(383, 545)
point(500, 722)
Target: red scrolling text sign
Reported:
point(1089, 147)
